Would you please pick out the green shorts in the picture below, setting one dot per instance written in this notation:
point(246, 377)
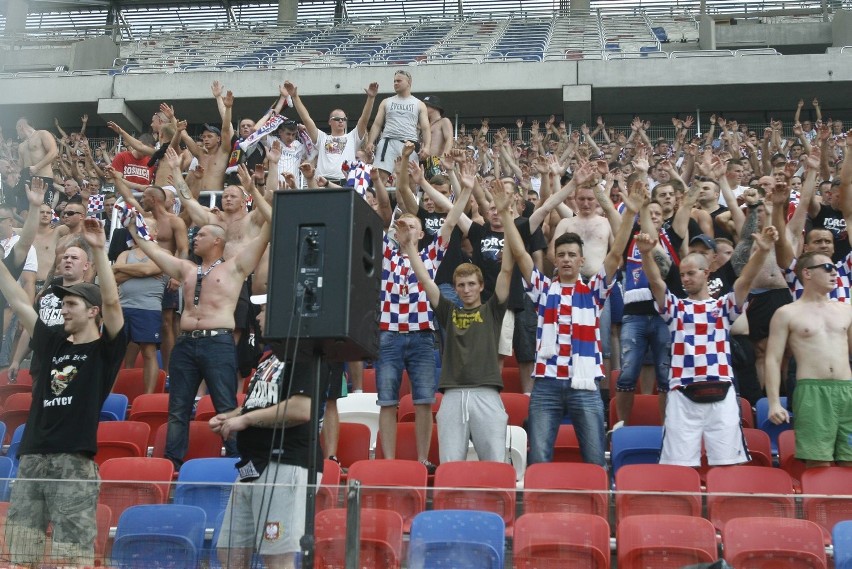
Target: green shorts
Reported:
point(58, 488)
point(822, 415)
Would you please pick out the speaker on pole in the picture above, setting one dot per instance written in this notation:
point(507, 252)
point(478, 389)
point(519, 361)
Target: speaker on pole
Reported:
point(324, 274)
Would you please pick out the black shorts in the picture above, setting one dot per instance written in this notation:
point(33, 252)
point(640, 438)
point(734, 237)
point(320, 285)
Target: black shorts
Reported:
point(242, 311)
point(761, 308)
point(523, 339)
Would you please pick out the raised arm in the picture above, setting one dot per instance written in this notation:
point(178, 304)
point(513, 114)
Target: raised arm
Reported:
point(582, 176)
point(249, 256)
point(227, 127)
point(18, 299)
point(372, 90)
point(172, 266)
point(259, 203)
point(199, 214)
point(35, 196)
point(512, 240)
point(310, 125)
point(456, 212)
point(846, 178)
point(405, 195)
point(408, 244)
point(784, 248)
point(376, 129)
point(216, 88)
point(765, 242)
point(633, 202)
point(680, 223)
point(130, 140)
point(111, 313)
point(647, 244)
point(123, 189)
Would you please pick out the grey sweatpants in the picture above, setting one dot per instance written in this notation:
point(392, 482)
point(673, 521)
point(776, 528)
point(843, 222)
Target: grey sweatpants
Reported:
point(472, 414)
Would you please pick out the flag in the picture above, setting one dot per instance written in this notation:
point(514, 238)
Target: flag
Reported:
point(358, 176)
point(95, 206)
point(267, 129)
point(127, 214)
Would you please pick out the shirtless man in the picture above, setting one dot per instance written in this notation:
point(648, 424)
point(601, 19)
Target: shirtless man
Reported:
point(36, 151)
point(595, 231)
point(442, 136)
point(171, 236)
point(205, 348)
point(819, 332)
point(215, 148)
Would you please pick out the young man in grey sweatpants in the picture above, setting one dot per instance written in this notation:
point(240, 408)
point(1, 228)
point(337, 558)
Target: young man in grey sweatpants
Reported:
point(470, 375)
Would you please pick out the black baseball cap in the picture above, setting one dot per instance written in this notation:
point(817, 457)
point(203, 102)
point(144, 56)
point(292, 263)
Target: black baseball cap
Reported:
point(87, 291)
point(434, 102)
point(704, 240)
point(212, 129)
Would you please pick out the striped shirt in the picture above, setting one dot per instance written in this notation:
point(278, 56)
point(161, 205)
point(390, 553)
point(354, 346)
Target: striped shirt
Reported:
point(404, 304)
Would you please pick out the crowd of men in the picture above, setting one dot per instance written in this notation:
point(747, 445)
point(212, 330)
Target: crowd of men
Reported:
point(601, 260)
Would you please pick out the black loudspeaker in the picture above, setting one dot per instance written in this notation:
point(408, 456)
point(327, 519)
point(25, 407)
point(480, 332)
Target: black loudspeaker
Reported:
point(325, 268)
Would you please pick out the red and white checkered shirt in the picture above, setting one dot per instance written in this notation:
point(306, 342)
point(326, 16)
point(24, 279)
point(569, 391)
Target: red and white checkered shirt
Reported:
point(701, 339)
point(844, 281)
point(404, 304)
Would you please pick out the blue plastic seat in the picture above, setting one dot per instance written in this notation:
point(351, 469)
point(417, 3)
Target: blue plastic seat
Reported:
point(770, 428)
point(114, 408)
point(636, 445)
point(162, 535)
point(457, 538)
point(7, 466)
point(12, 451)
point(206, 483)
point(841, 537)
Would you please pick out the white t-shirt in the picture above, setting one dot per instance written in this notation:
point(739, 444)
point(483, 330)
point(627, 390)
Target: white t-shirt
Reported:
point(291, 159)
point(31, 264)
point(333, 151)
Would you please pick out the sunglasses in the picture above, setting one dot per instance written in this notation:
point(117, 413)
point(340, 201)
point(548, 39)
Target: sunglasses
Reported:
point(827, 267)
point(341, 119)
point(70, 213)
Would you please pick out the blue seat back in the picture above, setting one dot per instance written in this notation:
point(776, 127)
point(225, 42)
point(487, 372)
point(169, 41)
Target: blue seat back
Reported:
point(114, 408)
point(764, 424)
point(159, 535)
point(457, 538)
point(206, 483)
point(636, 445)
point(841, 537)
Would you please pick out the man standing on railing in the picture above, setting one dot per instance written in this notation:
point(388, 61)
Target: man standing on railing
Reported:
point(37, 151)
point(340, 146)
point(398, 120)
point(57, 478)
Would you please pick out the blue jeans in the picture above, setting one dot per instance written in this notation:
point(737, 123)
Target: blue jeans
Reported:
point(414, 352)
point(638, 332)
point(193, 359)
point(550, 400)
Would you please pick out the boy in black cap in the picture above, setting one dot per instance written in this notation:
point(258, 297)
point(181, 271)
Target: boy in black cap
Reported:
point(60, 439)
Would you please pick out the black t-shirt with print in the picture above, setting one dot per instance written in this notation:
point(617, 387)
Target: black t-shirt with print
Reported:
point(271, 385)
point(71, 388)
point(833, 220)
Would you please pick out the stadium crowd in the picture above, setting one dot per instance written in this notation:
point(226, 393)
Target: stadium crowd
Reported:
point(600, 259)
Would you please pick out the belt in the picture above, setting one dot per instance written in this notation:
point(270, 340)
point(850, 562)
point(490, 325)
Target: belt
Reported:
point(206, 333)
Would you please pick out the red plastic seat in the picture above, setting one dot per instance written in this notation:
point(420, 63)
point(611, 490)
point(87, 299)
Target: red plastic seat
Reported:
point(402, 486)
point(676, 490)
point(405, 411)
point(567, 447)
point(835, 484)
point(129, 482)
point(494, 483)
point(369, 380)
point(353, 443)
point(153, 409)
point(510, 362)
point(205, 411)
point(517, 407)
point(746, 413)
point(764, 543)
point(566, 487)
point(329, 489)
point(406, 443)
point(511, 380)
point(773, 484)
point(560, 540)
point(203, 443)
point(23, 384)
point(759, 447)
point(129, 381)
point(380, 542)
point(117, 439)
point(665, 542)
point(787, 457)
point(15, 412)
point(645, 411)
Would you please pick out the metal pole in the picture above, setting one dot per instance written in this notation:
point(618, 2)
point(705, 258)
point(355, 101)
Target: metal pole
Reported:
point(353, 525)
point(307, 541)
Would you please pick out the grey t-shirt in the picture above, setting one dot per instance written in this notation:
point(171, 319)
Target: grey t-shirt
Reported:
point(143, 293)
point(470, 351)
point(401, 118)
